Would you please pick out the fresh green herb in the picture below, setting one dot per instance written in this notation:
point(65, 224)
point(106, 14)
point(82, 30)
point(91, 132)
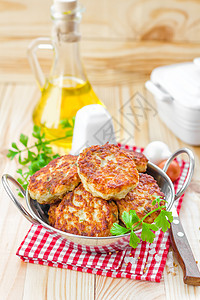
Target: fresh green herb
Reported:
point(68, 123)
point(132, 222)
point(34, 160)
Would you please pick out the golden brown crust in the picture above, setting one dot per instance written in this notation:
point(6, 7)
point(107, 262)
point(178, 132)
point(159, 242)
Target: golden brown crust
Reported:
point(140, 199)
point(82, 214)
point(54, 180)
point(107, 171)
point(139, 159)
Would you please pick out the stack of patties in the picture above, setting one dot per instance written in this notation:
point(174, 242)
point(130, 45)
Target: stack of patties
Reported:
point(88, 193)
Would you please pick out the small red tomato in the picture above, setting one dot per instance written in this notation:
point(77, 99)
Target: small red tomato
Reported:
point(173, 171)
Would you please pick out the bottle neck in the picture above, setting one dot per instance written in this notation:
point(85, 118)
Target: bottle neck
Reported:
point(65, 35)
point(67, 64)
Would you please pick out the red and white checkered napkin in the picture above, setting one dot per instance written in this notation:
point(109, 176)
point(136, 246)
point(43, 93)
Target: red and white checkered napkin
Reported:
point(147, 262)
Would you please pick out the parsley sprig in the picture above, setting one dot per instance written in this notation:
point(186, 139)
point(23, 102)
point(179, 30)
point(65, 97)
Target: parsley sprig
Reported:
point(34, 157)
point(132, 222)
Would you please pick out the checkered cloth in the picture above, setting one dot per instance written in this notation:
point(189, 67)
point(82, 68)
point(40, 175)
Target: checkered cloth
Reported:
point(146, 262)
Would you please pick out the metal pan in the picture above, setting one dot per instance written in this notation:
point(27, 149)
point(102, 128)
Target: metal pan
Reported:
point(38, 214)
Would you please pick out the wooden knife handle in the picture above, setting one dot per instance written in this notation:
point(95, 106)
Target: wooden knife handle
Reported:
point(183, 252)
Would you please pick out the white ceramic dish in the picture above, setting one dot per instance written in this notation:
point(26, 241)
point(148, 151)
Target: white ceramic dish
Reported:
point(176, 89)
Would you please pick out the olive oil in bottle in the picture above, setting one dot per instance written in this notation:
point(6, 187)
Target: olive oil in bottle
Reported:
point(60, 103)
point(67, 89)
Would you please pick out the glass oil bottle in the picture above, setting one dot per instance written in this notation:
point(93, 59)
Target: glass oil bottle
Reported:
point(67, 88)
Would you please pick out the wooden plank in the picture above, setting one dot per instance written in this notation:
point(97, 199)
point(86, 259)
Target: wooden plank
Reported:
point(115, 288)
point(57, 284)
point(107, 63)
point(13, 226)
point(172, 20)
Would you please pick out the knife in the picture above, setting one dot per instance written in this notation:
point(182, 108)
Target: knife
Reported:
point(183, 252)
point(179, 241)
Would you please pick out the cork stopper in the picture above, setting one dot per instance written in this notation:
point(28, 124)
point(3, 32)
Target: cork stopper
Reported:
point(66, 15)
point(65, 6)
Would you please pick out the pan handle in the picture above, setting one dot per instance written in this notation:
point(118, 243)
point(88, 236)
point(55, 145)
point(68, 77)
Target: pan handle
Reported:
point(190, 171)
point(5, 179)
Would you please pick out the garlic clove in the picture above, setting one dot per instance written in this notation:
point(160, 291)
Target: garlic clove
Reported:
point(157, 151)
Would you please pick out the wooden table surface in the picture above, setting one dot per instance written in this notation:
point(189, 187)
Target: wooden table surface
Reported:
point(119, 54)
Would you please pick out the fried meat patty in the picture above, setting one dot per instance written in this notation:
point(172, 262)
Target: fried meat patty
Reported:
point(139, 159)
point(140, 199)
point(52, 182)
point(107, 171)
point(82, 214)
